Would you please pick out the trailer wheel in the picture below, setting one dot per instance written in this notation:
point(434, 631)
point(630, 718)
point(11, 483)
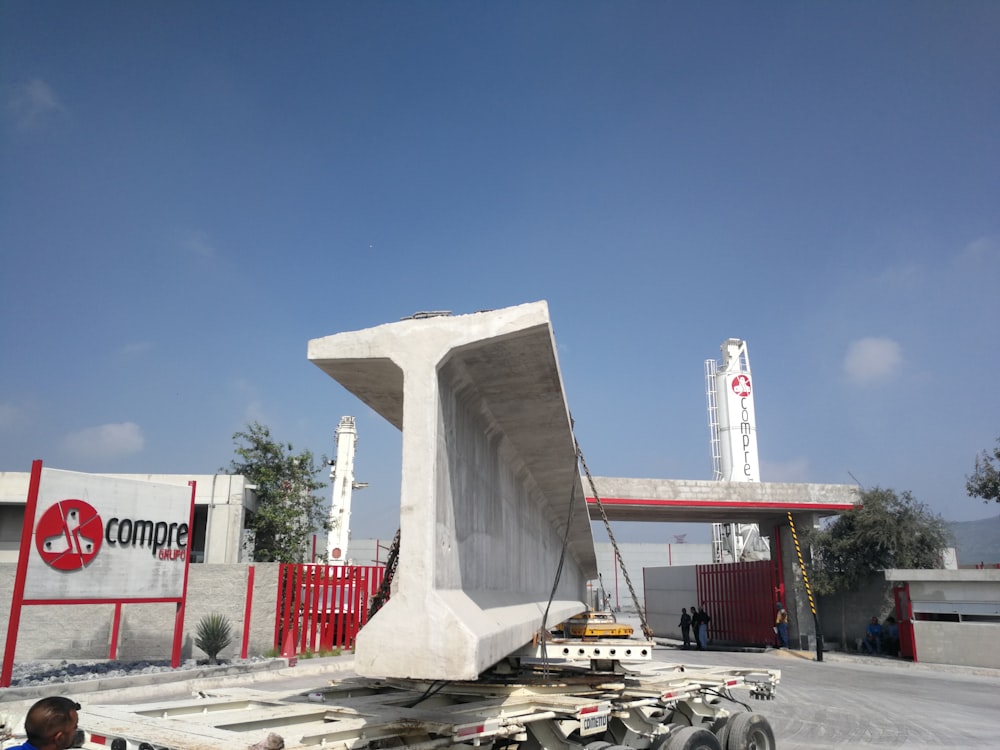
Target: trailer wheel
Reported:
point(747, 732)
point(692, 738)
point(718, 727)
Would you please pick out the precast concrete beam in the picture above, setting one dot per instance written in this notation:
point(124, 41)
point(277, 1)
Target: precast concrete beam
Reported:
point(491, 494)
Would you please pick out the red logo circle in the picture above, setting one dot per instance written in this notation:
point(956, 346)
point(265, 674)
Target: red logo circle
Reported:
point(69, 535)
point(741, 385)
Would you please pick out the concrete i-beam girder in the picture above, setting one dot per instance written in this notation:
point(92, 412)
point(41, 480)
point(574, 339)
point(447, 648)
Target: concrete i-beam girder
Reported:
point(490, 487)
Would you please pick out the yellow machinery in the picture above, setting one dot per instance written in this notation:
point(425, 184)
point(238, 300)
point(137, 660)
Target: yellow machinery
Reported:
point(595, 625)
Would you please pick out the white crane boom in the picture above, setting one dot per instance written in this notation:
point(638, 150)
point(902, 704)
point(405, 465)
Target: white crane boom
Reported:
point(343, 484)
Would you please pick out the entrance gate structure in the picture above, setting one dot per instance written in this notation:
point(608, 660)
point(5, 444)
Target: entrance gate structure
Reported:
point(766, 504)
point(741, 599)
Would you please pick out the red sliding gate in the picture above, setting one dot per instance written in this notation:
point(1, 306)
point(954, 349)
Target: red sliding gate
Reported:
point(741, 599)
point(322, 607)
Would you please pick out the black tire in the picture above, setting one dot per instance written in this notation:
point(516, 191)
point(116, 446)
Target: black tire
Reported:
point(749, 732)
point(720, 728)
point(692, 738)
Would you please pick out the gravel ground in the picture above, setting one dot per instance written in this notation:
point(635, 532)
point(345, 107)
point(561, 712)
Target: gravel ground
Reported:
point(53, 672)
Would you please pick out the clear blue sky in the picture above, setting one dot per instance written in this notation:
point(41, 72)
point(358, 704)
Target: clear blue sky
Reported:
point(190, 191)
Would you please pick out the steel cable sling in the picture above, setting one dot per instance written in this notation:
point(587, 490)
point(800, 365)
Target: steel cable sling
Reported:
point(618, 555)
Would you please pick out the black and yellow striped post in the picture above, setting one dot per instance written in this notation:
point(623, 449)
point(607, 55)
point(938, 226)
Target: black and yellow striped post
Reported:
point(809, 593)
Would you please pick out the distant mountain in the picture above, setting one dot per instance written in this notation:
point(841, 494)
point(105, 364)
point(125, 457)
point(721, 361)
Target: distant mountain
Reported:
point(977, 541)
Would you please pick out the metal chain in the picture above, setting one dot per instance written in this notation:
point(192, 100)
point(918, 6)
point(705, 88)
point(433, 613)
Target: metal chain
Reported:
point(646, 631)
point(391, 561)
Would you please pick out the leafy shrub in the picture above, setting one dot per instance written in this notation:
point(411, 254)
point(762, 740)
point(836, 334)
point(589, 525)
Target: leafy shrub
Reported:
point(213, 634)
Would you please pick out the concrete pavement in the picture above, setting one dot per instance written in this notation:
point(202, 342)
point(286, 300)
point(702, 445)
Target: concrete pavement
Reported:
point(846, 701)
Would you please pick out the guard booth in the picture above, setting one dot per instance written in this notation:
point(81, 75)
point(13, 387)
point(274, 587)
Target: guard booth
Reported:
point(948, 616)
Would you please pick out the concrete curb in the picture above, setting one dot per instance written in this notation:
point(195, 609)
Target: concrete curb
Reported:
point(842, 657)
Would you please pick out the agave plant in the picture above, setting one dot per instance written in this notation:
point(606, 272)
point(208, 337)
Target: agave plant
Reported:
point(214, 634)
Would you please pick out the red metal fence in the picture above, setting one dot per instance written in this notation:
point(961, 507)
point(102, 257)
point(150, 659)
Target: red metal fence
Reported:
point(322, 607)
point(741, 599)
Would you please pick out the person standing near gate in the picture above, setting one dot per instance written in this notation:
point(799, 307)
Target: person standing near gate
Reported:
point(685, 624)
point(702, 630)
point(781, 627)
point(696, 627)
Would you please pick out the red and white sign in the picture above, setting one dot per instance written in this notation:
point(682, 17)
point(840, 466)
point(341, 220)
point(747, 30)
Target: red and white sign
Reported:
point(88, 538)
point(741, 385)
point(737, 429)
point(99, 537)
point(68, 535)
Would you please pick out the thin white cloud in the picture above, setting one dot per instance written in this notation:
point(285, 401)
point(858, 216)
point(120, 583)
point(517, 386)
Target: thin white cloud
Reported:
point(198, 244)
point(136, 347)
point(981, 251)
point(908, 277)
point(10, 416)
point(872, 360)
point(253, 408)
point(32, 102)
point(105, 441)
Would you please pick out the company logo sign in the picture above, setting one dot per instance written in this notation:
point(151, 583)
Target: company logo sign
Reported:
point(96, 537)
point(740, 441)
point(71, 533)
point(741, 386)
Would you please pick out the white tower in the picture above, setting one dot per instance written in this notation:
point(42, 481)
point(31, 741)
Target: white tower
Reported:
point(342, 480)
point(732, 428)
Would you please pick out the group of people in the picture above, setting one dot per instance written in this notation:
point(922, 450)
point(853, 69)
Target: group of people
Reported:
point(697, 621)
point(882, 639)
point(879, 638)
point(51, 724)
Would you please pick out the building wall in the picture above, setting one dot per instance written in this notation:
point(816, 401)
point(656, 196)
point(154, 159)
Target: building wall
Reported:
point(83, 631)
point(667, 592)
point(844, 616)
point(639, 557)
point(971, 644)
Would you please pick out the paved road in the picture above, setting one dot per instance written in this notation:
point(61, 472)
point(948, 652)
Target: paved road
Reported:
point(861, 702)
point(843, 702)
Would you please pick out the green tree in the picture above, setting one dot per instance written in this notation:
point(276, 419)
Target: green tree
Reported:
point(885, 530)
point(288, 512)
point(985, 480)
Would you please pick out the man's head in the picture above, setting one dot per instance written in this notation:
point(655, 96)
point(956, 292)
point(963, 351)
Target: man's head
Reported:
point(51, 723)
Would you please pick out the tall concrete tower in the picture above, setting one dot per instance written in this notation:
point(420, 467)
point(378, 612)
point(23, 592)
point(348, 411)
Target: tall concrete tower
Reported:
point(732, 428)
point(343, 484)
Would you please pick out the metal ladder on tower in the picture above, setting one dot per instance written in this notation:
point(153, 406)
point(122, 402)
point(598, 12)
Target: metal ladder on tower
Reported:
point(711, 397)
